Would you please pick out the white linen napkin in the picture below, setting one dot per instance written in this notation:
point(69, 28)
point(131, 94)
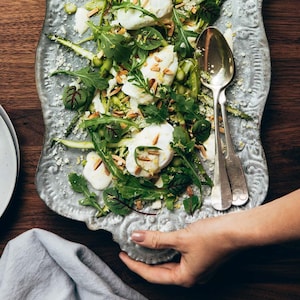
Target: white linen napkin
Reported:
point(41, 265)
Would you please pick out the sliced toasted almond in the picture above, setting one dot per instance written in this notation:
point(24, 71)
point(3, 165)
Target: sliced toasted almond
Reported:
point(153, 152)
point(119, 160)
point(97, 164)
point(189, 191)
point(153, 87)
point(115, 91)
point(106, 171)
point(94, 115)
point(194, 10)
point(145, 3)
point(158, 59)
point(202, 150)
point(139, 205)
point(132, 115)
point(167, 71)
point(138, 170)
point(118, 113)
point(155, 68)
point(143, 158)
point(155, 140)
point(122, 30)
point(93, 12)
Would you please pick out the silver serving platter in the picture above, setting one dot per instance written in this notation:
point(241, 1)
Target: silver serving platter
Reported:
point(249, 91)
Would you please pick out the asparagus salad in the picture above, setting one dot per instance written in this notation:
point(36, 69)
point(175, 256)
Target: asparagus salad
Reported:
point(139, 99)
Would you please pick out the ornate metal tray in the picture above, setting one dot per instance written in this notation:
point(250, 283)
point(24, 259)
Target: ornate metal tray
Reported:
point(250, 90)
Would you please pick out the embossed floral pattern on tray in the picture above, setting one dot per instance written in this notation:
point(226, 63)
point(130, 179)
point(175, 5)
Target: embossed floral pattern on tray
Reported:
point(250, 90)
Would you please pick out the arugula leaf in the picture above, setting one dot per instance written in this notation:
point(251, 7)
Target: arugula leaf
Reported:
point(209, 10)
point(88, 76)
point(114, 45)
point(116, 203)
point(182, 44)
point(79, 185)
point(129, 5)
point(191, 204)
point(153, 114)
point(107, 119)
point(148, 38)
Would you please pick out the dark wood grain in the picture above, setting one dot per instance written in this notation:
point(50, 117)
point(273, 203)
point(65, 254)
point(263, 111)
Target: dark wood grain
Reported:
point(263, 273)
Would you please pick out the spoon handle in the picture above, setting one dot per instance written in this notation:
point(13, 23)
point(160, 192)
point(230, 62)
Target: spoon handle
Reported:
point(221, 196)
point(233, 163)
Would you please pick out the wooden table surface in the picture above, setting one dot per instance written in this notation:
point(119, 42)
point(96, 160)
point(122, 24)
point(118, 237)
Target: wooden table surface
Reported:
point(264, 273)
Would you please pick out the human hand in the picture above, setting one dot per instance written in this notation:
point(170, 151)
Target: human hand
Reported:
point(203, 246)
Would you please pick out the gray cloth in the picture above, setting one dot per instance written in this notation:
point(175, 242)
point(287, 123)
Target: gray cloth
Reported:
point(41, 265)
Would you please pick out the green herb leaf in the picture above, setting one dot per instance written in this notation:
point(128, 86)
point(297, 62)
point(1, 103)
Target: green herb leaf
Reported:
point(89, 77)
point(116, 203)
point(153, 114)
point(73, 99)
point(191, 204)
point(148, 38)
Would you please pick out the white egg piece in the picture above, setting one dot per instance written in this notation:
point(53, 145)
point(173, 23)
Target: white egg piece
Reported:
point(81, 19)
point(95, 172)
point(98, 104)
point(161, 66)
point(133, 19)
point(148, 161)
point(209, 145)
point(137, 94)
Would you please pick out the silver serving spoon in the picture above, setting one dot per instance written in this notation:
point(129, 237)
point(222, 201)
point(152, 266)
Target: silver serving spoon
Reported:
point(216, 65)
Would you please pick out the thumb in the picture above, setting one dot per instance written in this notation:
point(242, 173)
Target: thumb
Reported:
point(155, 239)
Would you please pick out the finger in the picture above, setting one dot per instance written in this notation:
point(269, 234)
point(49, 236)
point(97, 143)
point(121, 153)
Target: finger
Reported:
point(160, 274)
point(156, 239)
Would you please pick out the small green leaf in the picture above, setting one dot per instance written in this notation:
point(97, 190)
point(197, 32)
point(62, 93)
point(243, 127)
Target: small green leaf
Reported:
point(73, 99)
point(78, 183)
point(191, 204)
point(201, 130)
point(153, 114)
point(148, 38)
point(115, 202)
point(89, 77)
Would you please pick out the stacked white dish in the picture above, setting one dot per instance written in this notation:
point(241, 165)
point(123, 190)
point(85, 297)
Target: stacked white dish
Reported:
point(9, 160)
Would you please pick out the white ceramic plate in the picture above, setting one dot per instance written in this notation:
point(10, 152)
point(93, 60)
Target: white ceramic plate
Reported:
point(250, 90)
point(9, 162)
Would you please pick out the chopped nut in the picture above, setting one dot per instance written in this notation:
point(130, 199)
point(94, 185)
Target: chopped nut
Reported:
point(139, 204)
point(119, 160)
point(144, 158)
point(202, 150)
point(189, 191)
point(158, 59)
point(118, 113)
point(155, 68)
point(138, 170)
point(194, 10)
point(94, 115)
point(106, 171)
point(132, 115)
point(93, 12)
point(115, 91)
point(153, 152)
point(167, 71)
point(122, 30)
point(153, 86)
point(155, 140)
point(97, 164)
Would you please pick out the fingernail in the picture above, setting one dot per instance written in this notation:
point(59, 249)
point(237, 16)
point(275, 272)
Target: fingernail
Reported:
point(138, 236)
